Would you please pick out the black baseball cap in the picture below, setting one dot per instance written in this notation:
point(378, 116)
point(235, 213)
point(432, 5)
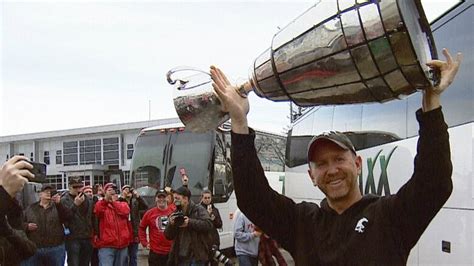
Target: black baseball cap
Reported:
point(334, 136)
point(183, 191)
point(161, 192)
point(45, 187)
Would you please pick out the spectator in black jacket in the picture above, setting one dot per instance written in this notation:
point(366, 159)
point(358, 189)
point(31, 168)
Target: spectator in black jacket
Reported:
point(190, 231)
point(44, 224)
point(206, 202)
point(346, 228)
point(14, 245)
point(136, 204)
point(78, 241)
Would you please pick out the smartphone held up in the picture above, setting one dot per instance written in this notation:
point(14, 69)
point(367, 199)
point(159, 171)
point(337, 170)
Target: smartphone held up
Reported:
point(39, 170)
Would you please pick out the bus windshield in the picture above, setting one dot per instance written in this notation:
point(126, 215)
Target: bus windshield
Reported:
point(160, 154)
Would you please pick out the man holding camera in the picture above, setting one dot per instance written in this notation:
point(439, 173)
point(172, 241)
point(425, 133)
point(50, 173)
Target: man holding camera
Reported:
point(114, 229)
point(78, 229)
point(190, 227)
point(14, 245)
point(136, 204)
point(44, 225)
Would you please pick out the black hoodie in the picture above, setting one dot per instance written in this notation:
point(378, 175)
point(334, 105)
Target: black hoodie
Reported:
point(373, 231)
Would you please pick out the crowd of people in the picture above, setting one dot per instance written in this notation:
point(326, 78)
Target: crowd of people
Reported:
point(347, 227)
point(102, 225)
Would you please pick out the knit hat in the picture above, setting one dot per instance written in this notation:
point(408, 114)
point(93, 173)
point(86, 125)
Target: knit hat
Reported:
point(109, 185)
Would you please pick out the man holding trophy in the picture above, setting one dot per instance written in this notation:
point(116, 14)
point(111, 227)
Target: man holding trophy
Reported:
point(347, 227)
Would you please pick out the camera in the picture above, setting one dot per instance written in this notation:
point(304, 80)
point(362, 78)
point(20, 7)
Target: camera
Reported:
point(178, 214)
point(220, 257)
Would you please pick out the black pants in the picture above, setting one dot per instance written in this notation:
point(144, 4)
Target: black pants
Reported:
point(155, 259)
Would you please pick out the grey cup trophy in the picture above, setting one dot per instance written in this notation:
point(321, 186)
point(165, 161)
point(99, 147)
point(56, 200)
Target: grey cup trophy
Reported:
point(337, 52)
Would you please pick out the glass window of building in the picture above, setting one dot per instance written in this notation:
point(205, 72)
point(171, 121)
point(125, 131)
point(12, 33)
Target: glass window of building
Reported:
point(70, 153)
point(56, 181)
point(99, 180)
point(90, 151)
point(111, 151)
point(129, 151)
point(46, 157)
point(59, 157)
point(126, 177)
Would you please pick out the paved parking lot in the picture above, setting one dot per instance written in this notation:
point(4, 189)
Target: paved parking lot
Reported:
point(143, 257)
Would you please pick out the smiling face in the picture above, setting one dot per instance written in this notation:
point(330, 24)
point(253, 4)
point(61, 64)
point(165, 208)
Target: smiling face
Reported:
point(335, 170)
point(161, 201)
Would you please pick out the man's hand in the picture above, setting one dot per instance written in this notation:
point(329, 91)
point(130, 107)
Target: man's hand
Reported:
point(56, 198)
point(257, 233)
point(185, 179)
point(31, 227)
point(135, 194)
point(236, 105)
point(14, 174)
point(79, 199)
point(171, 219)
point(448, 70)
point(186, 222)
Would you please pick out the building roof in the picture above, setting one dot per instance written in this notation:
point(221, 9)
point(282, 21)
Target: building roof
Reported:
point(88, 130)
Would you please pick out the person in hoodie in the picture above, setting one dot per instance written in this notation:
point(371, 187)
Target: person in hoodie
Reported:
point(346, 227)
point(246, 241)
point(156, 220)
point(115, 235)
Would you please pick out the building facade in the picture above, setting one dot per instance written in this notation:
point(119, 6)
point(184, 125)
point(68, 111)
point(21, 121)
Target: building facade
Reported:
point(98, 154)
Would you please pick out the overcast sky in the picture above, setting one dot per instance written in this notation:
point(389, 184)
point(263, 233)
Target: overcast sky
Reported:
point(68, 64)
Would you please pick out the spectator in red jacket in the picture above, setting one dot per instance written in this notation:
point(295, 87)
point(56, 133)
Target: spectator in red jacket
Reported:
point(156, 219)
point(114, 230)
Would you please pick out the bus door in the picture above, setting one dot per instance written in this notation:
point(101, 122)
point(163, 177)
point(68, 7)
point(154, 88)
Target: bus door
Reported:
point(221, 174)
point(193, 152)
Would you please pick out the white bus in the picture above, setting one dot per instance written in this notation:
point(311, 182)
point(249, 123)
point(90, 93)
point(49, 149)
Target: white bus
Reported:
point(160, 153)
point(385, 135)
